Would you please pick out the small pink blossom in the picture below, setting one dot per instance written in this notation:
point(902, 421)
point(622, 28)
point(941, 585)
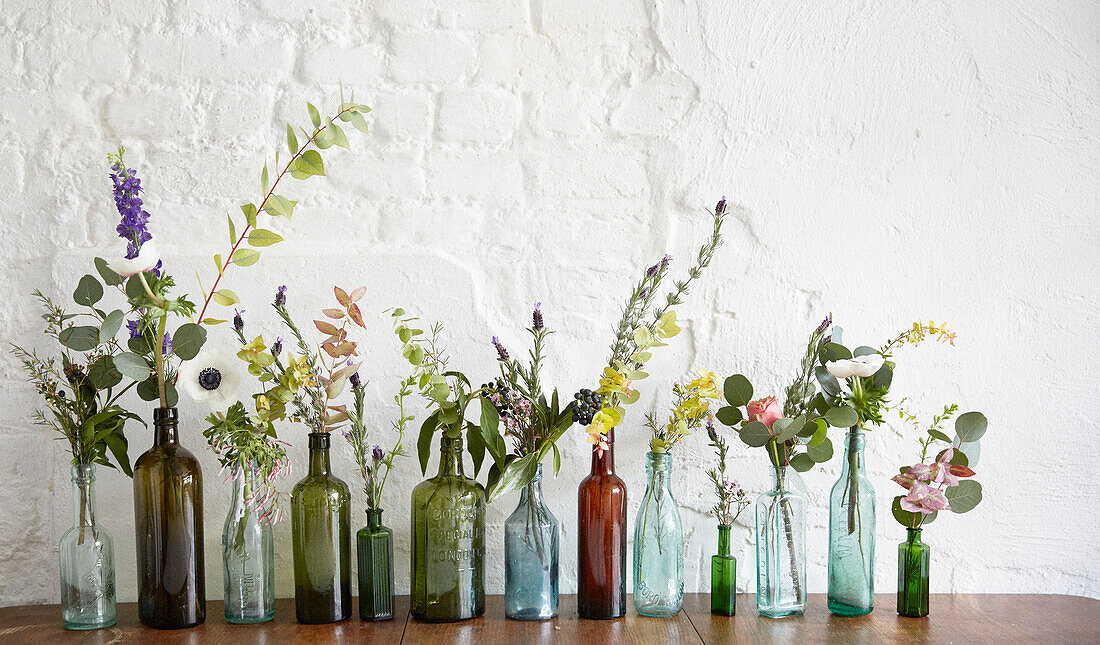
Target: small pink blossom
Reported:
point(922, 498)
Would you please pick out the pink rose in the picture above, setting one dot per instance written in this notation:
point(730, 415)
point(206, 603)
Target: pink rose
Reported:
point(764, 410)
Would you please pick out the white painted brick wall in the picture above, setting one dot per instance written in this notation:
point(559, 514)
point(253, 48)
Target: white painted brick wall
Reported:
point(885, 161)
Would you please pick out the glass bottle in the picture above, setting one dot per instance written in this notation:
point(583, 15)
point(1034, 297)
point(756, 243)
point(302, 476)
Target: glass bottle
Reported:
point(601, 538)
point(448, 549)
point(658, 544)
point(531, 557)
point(375, 550)
point(168, 524)
point(87, 561)
point(913, 559)
point(320, 517)
point(723, 577)
point(852, 535)
point(781, 545)
point(248, 553)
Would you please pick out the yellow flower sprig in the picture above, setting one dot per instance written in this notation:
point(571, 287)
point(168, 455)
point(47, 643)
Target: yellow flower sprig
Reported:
point(690, 410)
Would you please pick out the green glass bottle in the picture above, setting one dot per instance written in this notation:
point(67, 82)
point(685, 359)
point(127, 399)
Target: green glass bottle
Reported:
point(723, 577)
point(448, 549)
point(375, 549)
point(168, 525)
point(852, 535)
point(320, 514)
point(913, 560)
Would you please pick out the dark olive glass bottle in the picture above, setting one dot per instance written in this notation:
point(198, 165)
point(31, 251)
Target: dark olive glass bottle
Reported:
point(448, 549)
point(320, 514)
point(601, 538)
point(375, 549)
point(168, 525)
point(913, 561)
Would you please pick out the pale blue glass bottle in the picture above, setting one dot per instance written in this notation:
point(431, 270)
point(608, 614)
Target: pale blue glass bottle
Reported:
point(531, 557)
point(781, 545)
point(658, 544)
point(248, 553)
point(852, 535)
point(87, 561)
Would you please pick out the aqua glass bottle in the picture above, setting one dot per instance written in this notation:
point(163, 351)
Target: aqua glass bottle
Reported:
point(781, 545)
point(87, 561)
point(531, 557)
point(320, 517)
point(658, 544)
point(913, 560)
point(248, 553)
point(723, 576)
point(375, 550)
point(448, 542)
point(852, 535)
point(171, 567)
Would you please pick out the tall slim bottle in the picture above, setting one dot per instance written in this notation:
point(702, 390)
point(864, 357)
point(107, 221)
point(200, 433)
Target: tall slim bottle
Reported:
point(248, 556)
point(601, 538)
point(448, 535)
point(852, 535)
point(87, 561)
point(658, 544)
point(168, 526)
point(320, 516)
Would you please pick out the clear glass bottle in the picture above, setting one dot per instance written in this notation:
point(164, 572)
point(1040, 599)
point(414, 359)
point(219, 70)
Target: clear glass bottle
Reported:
point(375, 550)
point(601, 538)
point(448, 549)
point(248, 553)
point(168, 523)
point(914, 557)
point(723, 577)
point(852, 534)
point(531, 557)
point(320, 517)
point(87, 561)
point(658, 544)
point(781, 545)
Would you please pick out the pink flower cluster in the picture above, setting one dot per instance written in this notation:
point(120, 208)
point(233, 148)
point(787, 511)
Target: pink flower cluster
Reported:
point(926, 483)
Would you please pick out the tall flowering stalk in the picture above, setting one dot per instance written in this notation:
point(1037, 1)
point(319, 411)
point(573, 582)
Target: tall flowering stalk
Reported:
point(732, 500)
point(636, 337)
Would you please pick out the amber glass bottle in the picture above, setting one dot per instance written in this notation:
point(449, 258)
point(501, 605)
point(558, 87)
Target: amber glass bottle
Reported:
point(601, 538)
point(168, 524)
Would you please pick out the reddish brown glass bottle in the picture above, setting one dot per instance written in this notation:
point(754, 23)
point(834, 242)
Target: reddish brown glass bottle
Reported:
point(601, 539)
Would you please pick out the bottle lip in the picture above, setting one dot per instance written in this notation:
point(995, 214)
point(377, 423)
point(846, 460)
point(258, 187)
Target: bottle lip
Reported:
point(82, 473)
point(319, 440)
point(165, 416)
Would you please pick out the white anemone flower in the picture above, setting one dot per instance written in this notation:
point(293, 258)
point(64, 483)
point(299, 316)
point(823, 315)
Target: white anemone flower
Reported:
point(865, 366)
point(211, 377)
point(146, 260)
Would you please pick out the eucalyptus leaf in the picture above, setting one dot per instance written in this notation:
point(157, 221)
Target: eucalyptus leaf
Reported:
point(103, 373)
point(755, 434)
point(310, 163)
point(970, 426)
point(828, 381)
point(936, 434)
point(834, 352)
point(291, 140)
point(88, 291)
point(279, 206)
point(864, 350)
point(802, 462)
point(907, 518)
point(263, 237)
point(820, 452)
point(188, 340)
point(110, 278)
point(245, 257)
point(132, 366)
point(738, 390)
point(842, 416)
point(972, 450)
point(965, 496)
point(79, 339)
point(314, 115)
point(111, 324)
point(226, 297)
point(729, 415)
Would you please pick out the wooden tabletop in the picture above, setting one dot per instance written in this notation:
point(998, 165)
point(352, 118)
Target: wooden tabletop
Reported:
point(970, 619)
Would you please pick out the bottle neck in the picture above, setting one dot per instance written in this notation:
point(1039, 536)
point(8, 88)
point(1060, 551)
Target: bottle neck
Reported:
point(318, 454)
point(723, 540)
point(450, 457)
point(165, 426)
point(532, 492)
point(83, 494)
point(603, 462)
point(658, 465)
point(913, 536)
point(374, 519)
point(854, 453)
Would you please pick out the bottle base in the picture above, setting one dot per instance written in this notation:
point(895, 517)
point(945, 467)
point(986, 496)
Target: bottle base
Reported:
point(722, 612)
point(530, 614)
point(83, 627)
point(780, 613)
point(848, 611)
point(375, 619)
point(249, 620)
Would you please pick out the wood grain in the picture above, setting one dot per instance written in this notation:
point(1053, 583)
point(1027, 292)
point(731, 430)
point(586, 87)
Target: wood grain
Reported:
point(982, 618)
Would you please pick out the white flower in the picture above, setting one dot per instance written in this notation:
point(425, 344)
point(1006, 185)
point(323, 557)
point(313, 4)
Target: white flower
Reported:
point(211, 377)
point(146, 260)
point(865, 365)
